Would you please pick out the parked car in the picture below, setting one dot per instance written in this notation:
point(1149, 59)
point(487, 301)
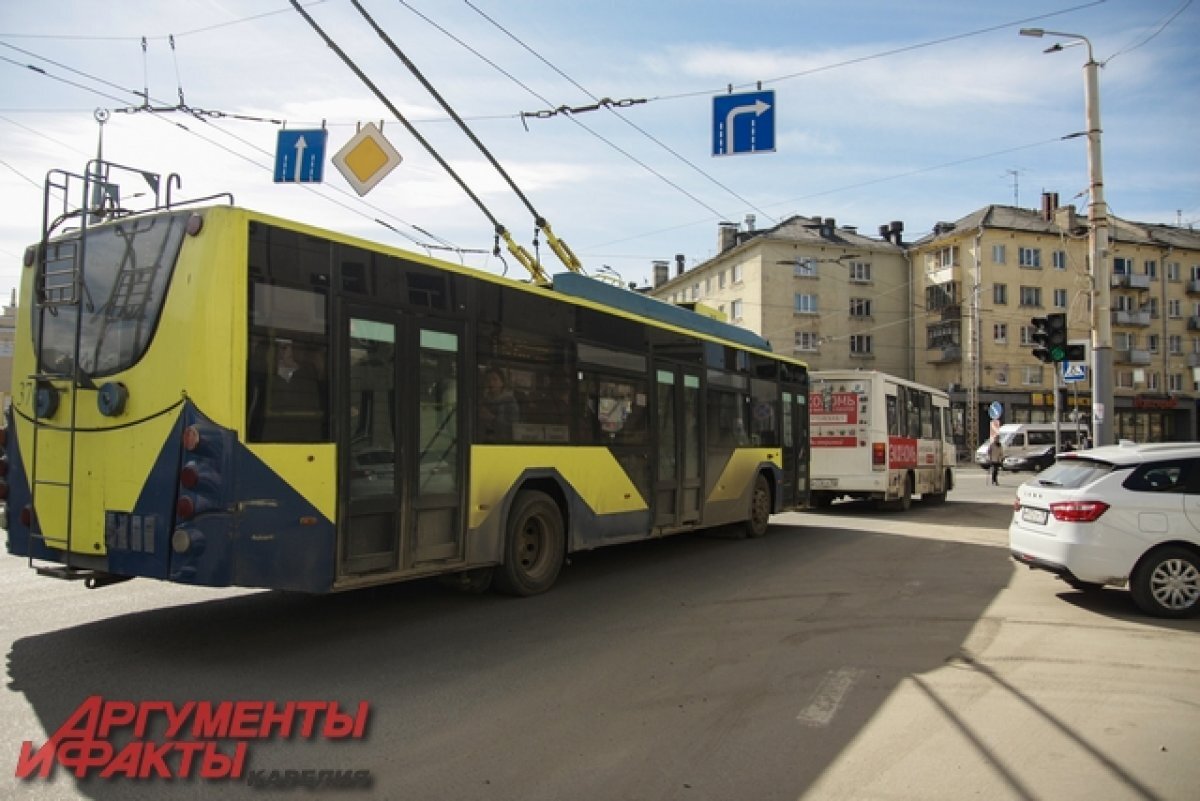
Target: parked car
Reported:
point(1120, 515)
point(1034, 461)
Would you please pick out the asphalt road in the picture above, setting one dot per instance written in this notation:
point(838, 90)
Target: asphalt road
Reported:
point(849, 654)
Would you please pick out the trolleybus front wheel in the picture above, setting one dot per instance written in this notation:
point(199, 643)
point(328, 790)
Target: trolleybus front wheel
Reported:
point(534, 545)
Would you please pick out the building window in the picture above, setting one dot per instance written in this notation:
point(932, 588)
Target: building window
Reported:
point(1060, 259)
point(1123, 340)
point(1173, 271)
point(708, 286)
point(1152, 343)
point(807, 341)
point(805, 268)
point(1175, 345)
point(998, 254)
point(1030, 257)
point(1000, 294)
point(939, 296)
point(806, 304)
point(1174, 308)
point(1001, 374)
point(1153, 381)
point(1174, 382)
point(696, 291)
point(1124, 379)
point(1122, 266)
point(1031, 376)
point(721, 280)
point(1150, 267)
point(1060, 298)
point(735, 310)
point(1026, 336)
point(860, 344)
point(943, 335)
point(737, 273)
point(942, 258)
point(1031, 296)
point(1152, 307)
point(1000, 333)
point(860, 307)
point(860, 271)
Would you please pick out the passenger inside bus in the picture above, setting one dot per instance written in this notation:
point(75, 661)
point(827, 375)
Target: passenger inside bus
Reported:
point(497, 407)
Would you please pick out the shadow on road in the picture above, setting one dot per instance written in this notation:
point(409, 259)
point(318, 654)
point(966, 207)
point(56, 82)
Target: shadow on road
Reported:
point(692, 667)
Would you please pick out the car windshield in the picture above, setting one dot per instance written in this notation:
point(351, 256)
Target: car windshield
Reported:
point(1073, 473)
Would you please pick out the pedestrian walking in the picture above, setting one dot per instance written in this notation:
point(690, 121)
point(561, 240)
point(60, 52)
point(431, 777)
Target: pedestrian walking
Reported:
point(995, 457)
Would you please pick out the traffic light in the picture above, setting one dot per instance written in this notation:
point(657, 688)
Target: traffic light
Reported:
point(1040, 338)
point(1076, 353)
point(1056, 336)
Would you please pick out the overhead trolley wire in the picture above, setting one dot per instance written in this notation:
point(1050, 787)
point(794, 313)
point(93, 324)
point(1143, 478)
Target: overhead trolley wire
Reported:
point(500, 231)
point(206, 116)
point(559, 247)
point(608, 104)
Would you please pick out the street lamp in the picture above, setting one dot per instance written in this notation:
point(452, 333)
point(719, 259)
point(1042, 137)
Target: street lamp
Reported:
point(1103, 411)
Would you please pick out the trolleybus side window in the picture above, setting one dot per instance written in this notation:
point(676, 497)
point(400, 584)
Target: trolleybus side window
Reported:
point(287, 380)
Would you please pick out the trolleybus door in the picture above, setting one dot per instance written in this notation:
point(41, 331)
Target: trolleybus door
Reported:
point(404, 457)
point(369, 541)
point(678, 479)
point(434, 451)
point(795, 445)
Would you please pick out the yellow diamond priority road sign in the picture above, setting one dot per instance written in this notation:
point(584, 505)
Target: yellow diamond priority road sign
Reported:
point(366, 159)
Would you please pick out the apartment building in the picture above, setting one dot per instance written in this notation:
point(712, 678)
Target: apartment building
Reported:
point(953, 309)
point(821, 292)
point(983, 277)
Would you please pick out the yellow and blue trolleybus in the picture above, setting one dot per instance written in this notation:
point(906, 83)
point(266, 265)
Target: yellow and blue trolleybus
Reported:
point(212, 396)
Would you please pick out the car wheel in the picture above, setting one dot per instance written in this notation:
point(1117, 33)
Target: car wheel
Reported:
point(1166, 583)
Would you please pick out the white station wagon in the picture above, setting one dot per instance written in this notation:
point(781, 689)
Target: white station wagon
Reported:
point(1117, 515)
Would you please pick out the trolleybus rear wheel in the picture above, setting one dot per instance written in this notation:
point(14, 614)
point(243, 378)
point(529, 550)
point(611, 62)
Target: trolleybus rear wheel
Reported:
point(534, 545)
point(760, 508)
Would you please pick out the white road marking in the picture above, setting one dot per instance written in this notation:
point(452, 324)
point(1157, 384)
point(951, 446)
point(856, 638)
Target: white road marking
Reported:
point(829, 696)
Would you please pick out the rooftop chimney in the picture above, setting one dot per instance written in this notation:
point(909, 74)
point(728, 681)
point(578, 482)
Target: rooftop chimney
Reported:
point(1049, 204)
point(726, 236)
point(885, 233)
point(897, 229)
point(679, 263)
point(750, 220)
point(662, 271)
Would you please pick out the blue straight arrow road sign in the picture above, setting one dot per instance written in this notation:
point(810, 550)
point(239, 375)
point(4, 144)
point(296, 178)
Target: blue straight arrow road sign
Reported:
point(743, 123)
point(300, 156)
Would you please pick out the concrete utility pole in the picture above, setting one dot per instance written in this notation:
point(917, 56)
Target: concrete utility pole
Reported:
point(1103, 411)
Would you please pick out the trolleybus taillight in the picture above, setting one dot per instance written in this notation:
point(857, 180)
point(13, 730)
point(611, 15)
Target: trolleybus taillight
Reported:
point(878, 455)
point(200, 473)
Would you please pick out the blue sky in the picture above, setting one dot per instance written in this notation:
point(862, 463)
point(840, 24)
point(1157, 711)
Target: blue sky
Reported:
point(915, 111)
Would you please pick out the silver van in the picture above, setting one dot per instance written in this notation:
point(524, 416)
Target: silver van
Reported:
point(1030, 446)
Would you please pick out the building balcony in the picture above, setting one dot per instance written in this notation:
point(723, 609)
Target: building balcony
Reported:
point(1139, 318)
point(1193, 360)
point(1127, 281)
point(952, 313)
point(1194, 323)
point(1132, 356)
point(1193, 286)
point(952, 353)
